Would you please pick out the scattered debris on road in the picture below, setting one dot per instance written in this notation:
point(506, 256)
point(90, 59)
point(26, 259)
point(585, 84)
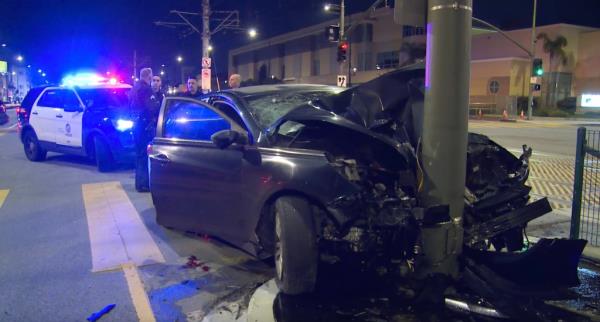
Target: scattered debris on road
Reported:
point(98, 315)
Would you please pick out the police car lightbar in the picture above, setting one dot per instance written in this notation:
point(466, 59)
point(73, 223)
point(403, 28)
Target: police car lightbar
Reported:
point(87, 79)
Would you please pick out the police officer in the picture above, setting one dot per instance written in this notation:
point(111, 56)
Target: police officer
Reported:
point(144, 109)
point(192, 89)
point(157, 94)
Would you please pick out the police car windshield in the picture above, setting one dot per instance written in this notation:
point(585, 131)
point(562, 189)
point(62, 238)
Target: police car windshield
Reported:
point(105, 98)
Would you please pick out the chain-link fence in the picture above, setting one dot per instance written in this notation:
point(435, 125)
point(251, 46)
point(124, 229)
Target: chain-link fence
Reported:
point(585, 221)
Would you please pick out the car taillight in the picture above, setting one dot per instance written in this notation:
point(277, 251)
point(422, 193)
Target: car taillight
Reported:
point(149, 149)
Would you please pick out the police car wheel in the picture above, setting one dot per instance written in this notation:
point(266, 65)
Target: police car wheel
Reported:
point(31, 146)
point(102, 154)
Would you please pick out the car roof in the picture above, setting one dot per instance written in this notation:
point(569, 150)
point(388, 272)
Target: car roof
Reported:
point(97, 86)
point(262, 89)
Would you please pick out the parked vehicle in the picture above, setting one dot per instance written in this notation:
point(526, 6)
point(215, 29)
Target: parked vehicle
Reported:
point(305, 172)
point(88, 120)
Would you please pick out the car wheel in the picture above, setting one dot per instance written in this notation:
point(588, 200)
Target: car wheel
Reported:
point(102, 154)
point(296, 251)
point(31, 146)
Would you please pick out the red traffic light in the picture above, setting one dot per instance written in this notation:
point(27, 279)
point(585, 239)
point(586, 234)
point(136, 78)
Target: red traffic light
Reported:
point(343, 45)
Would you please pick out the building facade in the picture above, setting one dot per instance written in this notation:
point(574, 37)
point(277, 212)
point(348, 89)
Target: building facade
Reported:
point(499, 69)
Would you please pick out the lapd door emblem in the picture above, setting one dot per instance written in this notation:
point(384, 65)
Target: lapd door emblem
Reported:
point(68, 130)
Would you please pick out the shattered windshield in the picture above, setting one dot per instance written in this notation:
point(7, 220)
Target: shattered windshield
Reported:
point(269, 107)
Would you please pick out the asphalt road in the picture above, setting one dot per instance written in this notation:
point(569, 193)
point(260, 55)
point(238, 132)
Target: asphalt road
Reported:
point(556, 137)
point(47, 255)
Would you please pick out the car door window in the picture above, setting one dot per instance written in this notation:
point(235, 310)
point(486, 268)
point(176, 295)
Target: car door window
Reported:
point(228, 110)
point(69, 99)
point(51, 98)
point(189, 120)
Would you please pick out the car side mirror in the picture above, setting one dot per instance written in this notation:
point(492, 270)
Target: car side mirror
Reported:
point(73, 108)
point(224, 138)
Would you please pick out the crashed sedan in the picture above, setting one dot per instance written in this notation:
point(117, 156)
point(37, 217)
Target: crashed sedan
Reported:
point(307, 173)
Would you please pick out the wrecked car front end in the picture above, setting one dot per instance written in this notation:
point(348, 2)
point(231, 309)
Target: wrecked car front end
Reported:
point(371, 137)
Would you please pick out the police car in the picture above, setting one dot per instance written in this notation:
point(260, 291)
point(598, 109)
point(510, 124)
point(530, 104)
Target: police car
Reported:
point(89, 118)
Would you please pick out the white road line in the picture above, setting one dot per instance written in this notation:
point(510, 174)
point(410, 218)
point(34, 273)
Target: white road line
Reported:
point(117, 233)
point(140, 300)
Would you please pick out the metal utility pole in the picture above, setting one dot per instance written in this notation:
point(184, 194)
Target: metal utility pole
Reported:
point(531, 86)
point(343, 33)
point(444, 140)
point(226, 20)
point(205, 27)
point(134, 66)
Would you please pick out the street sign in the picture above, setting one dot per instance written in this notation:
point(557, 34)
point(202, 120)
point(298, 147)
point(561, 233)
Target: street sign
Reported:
point(205, 80)
point(3, 67)
point(206, 62)
point(333, 33)
point(341, 81)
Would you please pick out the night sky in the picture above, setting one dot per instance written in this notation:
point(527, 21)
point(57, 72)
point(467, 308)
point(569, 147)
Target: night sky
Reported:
point(62, 35)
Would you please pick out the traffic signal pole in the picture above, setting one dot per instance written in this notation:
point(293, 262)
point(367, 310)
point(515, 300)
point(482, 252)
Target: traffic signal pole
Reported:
point(342, 69)
point(444, 139)
point(531, 86)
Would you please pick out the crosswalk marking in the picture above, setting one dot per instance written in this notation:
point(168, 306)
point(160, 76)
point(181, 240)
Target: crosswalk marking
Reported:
point(117, 233)
point(3, 195)
point(140, 300)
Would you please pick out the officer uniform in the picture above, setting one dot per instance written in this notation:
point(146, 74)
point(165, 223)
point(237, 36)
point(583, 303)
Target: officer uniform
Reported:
point(145, 110)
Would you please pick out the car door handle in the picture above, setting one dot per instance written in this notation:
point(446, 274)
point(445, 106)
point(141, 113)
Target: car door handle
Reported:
point(161, 158)
point(34, 113)
point(59, 116)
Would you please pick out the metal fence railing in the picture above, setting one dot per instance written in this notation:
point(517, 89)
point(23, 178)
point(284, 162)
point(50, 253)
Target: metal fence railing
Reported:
point(585, 217)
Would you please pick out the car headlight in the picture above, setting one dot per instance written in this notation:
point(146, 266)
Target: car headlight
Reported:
point(124, 125)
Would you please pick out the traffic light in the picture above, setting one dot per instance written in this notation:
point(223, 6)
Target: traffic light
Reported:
point(538, 68)
point(342, 51)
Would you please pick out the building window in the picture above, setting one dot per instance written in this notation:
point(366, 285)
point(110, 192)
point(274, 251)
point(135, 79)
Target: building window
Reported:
point(388, 59)
point(408, 31)
point(283, 71)
point(365, 61)
point(494, 87)
point(316, 67)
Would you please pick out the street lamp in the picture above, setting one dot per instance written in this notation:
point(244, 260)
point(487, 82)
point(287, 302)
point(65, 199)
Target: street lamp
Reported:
point(14, 73)
point(43, 74)
point(252, 33)
point(327, 7)
point(39, 71)
point(3, 45)
point(28, 66)
point(210, 48)
point(162, 73)
point(19, 58)
point(179, 59)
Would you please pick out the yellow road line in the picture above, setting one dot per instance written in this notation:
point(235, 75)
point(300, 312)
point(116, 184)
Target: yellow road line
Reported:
point(3, 195)
point(138, 293)
point(117, 233)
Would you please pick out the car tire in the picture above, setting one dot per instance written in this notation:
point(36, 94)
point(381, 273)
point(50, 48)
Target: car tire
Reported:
point(102, 154)
point(296, 250)
point(33, 151)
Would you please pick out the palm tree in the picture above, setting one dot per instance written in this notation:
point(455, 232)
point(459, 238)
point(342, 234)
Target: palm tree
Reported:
point(558, 57)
